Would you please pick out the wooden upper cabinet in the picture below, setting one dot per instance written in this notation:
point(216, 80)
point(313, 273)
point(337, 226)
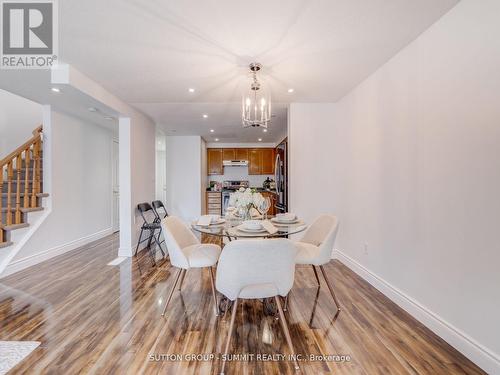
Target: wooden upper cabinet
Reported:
point(260, 160)
point(255, 161)
point(267, 161)
point(241, 154)
point(214, 161)
point(228, 154)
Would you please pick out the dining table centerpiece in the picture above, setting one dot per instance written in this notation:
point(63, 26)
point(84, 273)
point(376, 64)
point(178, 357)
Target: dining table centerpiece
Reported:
point(244, 200)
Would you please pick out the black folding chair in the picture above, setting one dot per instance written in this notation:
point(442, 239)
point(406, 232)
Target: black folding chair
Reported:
point(157, 208)
point(152, 227)
point(160, 214)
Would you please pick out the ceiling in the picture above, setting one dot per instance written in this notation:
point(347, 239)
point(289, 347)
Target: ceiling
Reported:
point(150, 52)
point(35, 85)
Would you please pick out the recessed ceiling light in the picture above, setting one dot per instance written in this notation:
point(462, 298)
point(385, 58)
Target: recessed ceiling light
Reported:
point(260, 139)
point(56, 89)
point(216, 139)
point(205, 116)
point(212, 130)
point(109, 118)
point(191, 90)
point(92, 109)
point(291, 90)
point(264, 130)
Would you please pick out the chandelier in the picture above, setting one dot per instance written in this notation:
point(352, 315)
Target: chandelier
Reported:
point(255, 105)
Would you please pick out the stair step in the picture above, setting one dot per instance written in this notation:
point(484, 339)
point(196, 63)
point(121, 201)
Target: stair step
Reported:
point(15, 226)
point(5, 244)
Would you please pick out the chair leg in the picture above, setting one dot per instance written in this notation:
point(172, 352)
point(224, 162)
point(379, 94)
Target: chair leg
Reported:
point(151, 235)
point(159, 246)
point(285, 308)
point(330, 288)
point(231, 325)
point(213, 291)
point(138, 242)
point(171, 291)
point(285, 330)
point(316, 274)
point(182, 279)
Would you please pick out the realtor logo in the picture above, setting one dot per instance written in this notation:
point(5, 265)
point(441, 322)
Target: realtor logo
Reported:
point(29, 34)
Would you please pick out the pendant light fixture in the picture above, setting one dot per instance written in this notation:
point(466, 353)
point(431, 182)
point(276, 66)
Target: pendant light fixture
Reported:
point(256, 104)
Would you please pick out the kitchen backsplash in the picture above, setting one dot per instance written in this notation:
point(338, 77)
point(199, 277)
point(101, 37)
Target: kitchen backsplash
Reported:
point(239, 173)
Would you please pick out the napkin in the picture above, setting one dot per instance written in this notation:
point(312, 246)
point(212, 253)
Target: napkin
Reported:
point(269, 227)
point(205, 220)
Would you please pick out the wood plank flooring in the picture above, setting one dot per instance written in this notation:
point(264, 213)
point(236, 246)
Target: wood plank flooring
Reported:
point(97, 319)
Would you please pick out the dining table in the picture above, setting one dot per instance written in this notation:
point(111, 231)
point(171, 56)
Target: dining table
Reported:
point(230, 227)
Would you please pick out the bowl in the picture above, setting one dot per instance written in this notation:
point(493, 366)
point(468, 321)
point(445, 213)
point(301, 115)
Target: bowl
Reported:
point(252, 224)
point(286, 217)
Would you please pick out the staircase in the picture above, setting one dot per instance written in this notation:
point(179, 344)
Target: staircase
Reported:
point(21, 186)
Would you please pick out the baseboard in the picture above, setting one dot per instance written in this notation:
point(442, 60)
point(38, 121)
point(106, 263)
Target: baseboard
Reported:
point(125, 251)
point(34, 259)
point(477, 353)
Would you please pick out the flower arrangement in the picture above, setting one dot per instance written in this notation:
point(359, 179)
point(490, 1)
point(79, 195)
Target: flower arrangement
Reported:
point(244, 199)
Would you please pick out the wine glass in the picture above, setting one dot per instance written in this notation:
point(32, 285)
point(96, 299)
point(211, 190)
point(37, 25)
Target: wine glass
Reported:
point(265, 205)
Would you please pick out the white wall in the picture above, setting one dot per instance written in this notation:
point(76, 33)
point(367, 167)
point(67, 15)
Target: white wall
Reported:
point(18, 118)
point(80, 192)
point(412, 155)
point(184, 176)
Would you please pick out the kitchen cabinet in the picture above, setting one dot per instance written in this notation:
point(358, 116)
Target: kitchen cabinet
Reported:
point(267, 161)
point(214, 203)
point(260, 160)
point(255, 161)
point(214, 161)
point(241, 154)
point(228, 154)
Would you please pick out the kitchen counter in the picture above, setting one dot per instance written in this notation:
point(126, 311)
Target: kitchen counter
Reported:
point(260, 190)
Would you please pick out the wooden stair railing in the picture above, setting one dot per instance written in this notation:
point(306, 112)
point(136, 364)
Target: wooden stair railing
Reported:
point(28, 152)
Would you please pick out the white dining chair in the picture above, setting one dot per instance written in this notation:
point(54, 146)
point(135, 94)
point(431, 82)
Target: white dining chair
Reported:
point(316, 246)
point(255, 269)
point(186, 252)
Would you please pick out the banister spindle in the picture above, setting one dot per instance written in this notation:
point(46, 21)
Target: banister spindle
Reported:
point(38, 164)
point(10, 175)
point(27, 159)
point(33, 185)
point(1, 205)
point(17, 216)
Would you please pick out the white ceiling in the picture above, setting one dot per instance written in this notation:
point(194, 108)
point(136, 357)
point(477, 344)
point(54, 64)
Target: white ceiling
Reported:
point(35, 85)
point(150, 52)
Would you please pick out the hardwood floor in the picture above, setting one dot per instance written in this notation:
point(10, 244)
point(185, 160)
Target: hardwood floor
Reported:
point(92, 318)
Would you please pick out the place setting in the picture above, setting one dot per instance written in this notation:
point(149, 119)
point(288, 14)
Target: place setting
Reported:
point(210, 220)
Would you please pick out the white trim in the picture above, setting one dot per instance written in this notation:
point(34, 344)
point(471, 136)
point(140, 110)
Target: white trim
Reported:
point(125, 251)
point(34, 259)
point(117, 261)
point(477, 353)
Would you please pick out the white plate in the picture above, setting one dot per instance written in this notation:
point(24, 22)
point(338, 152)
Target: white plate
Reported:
point(277, 221)
point(218, 222)
point(243, 229)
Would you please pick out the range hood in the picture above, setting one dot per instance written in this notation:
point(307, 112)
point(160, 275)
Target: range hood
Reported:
point(235, 163)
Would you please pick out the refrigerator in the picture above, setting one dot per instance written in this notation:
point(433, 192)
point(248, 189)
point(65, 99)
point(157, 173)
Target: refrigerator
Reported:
point(281, 177)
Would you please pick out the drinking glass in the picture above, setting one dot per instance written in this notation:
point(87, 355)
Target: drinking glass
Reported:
point(265, 206)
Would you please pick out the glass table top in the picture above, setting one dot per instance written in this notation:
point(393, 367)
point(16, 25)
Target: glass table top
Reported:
point(230, 228)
